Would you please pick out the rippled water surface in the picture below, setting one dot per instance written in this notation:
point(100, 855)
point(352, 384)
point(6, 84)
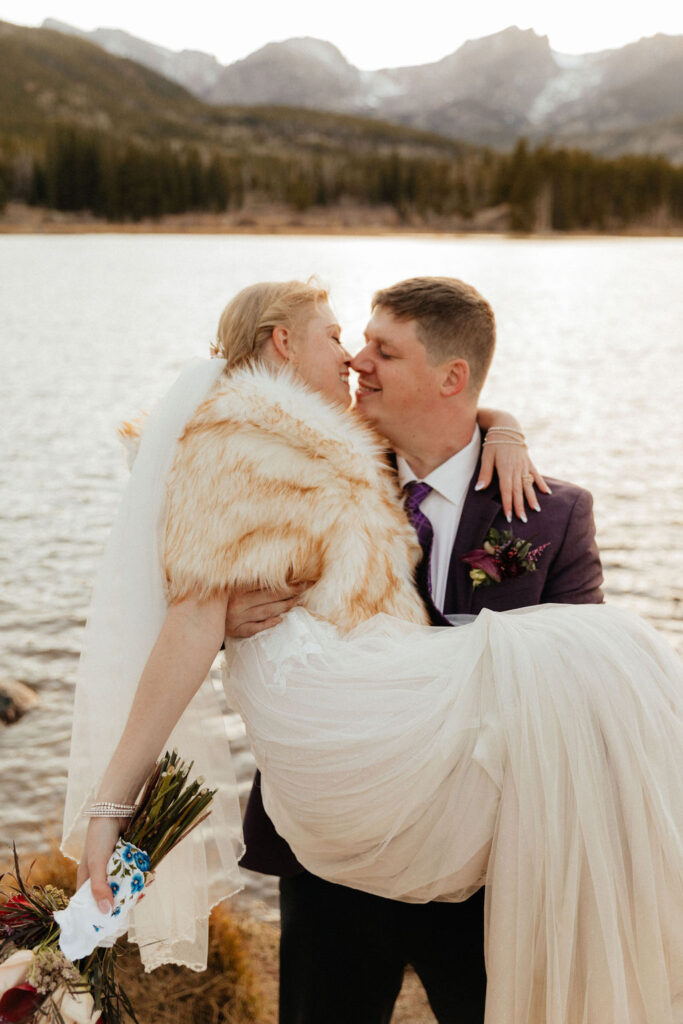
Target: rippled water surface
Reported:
point(93, 328)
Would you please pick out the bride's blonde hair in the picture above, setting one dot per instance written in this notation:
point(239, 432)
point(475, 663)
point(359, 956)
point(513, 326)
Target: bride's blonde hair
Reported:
point(247, 322)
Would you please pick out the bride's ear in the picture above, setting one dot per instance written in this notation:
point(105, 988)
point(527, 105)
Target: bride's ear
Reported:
point(281, 340)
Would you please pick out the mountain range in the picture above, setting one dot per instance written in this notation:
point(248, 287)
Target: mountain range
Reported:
point(490, 91)
point(49, 78)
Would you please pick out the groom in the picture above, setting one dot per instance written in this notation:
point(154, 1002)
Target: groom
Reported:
point(429, 344)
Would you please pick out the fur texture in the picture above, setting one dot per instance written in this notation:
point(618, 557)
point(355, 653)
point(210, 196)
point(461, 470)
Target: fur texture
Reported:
point(271, 485)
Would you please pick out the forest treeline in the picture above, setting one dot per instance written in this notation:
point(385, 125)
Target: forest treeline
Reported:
point(80, 170)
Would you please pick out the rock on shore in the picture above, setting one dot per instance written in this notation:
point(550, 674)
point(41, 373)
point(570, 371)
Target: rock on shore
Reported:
point(15, 700)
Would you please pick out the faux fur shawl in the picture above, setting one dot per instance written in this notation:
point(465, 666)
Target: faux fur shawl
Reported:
point(271, 485)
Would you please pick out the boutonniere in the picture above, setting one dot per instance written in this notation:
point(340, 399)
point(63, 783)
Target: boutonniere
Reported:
point(503, 557)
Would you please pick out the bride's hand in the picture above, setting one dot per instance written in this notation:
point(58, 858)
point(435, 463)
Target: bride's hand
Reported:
point(516, 473)
point(101, 839)
point(516, 478)
point(251, 611)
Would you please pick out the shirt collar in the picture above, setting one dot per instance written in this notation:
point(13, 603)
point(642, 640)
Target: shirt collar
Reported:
point(451, 478)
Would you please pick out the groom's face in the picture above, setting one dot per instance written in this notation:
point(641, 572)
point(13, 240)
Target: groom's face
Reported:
point(397, 385)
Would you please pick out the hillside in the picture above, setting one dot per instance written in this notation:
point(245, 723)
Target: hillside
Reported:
point(47, 76)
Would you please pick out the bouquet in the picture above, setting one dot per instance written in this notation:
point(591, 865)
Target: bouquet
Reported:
point(57, 956)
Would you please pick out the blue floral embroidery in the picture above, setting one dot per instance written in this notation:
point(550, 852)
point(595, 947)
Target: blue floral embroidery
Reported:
point(142, 860)
point(97, 928)
point(128, 854)
point(114, 886)
point(116, 912)
point(137, 883)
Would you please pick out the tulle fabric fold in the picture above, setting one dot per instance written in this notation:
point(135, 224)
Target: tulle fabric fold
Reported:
point(537, 751)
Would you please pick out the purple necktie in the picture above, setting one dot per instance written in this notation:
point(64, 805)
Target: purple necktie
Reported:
point(415, 491)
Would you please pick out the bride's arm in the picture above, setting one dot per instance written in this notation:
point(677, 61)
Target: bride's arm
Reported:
point(189, 640)
point(512, 464)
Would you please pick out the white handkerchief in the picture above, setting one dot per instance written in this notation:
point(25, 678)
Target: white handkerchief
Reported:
point(82, 925)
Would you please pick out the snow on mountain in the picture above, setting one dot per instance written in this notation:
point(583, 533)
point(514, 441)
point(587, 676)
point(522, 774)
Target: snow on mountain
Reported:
point(378, 86)
point(577, 76)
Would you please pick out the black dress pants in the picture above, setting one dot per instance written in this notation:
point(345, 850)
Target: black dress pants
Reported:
point(343, 954)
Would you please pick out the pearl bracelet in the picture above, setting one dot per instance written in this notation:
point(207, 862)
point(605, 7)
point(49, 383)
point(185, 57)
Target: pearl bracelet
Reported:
point(107, 809)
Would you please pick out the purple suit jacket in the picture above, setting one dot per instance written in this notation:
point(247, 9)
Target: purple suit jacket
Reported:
point(568, 572)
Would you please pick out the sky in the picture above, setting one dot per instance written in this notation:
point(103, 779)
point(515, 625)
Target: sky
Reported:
point(376, 34)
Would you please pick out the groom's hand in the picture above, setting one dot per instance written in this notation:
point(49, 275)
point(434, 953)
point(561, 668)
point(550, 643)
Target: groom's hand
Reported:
point(251, 611)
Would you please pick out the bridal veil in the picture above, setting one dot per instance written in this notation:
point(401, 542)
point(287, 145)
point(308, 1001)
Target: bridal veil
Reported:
point(126, 614)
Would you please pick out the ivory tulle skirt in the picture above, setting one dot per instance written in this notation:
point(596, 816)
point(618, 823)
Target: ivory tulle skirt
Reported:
point(538, 752)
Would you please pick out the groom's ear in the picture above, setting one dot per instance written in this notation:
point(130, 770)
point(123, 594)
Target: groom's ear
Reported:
point(455, 377)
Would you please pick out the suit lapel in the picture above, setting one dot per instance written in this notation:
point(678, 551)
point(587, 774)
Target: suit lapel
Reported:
point(435, 616)
point(479, 511)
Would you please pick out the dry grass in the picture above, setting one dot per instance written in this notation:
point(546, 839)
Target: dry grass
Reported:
point(273, 219)
point(226, 993)
point(240, 984)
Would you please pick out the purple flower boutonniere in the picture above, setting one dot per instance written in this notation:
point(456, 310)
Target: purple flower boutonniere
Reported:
point(503, 557)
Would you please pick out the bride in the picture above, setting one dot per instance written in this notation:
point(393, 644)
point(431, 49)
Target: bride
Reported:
point(538, 751)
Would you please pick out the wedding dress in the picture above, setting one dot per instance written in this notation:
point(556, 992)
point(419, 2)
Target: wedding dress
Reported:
point(537, 752)
point(532, 751)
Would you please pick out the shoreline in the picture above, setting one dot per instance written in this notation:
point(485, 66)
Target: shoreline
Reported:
point(19, 219)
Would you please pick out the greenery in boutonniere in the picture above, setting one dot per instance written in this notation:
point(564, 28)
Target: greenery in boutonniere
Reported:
point(502, 557)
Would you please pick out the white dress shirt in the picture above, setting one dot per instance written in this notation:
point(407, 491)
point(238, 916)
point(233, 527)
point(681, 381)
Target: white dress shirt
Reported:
point(443, 507)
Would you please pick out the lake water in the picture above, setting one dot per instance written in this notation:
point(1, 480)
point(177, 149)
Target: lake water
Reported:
point(93, 328)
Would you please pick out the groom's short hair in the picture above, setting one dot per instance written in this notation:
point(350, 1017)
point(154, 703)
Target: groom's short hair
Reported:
point(453, 320)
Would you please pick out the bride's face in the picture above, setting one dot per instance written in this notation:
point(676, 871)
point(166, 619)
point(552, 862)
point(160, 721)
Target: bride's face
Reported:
point(319, 356)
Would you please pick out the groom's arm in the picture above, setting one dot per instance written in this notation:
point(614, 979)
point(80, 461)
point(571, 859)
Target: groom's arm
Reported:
point(575, 576)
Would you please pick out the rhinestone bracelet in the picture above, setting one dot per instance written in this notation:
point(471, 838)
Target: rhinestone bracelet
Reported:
point(107, 809)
